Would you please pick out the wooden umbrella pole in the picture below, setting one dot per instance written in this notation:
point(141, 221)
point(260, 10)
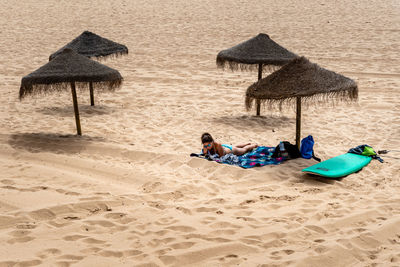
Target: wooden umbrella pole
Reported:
point(298, 121)
point(91, 94)
point(75, 101)
point(259, 78)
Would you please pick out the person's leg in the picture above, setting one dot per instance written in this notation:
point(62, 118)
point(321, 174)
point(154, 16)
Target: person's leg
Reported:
point(238, 151)
point(242, 145)
point(250, 147)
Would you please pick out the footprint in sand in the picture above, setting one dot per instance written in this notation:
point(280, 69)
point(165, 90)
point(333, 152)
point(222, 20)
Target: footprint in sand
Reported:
point(84, 198)
point(70, 193)
point(71, 218)
point(227, 232)
point(157, 242)
point(316, 229)
point(132, 253)
point(42, 214)
point(229, 256)
point(182, 245)
point(204, 209)
point(181, 228)
point(312, 191)
point(222, 224)
point(27, 225)
point(93, 241)
point(246, 202)
point(216, 201)
point(101, 223)
point(360, 229)
point(48, 253)
point(208, 220)
point(19, 233)
point(151, 187)
point(71, 257)
point(10, 187)
point(283, 252)
point(246, 219)
point(90, 250)
point(274, 206)
point(7, 182)
point(166, 221)
point(321, 249)
point(163, 251)
point(243, 213)
point(73, 237)
point(156, 205)
point(232, 260)
point(57, 224)
point(115, 215)
point(395, 258)
point(20, 263)
point(184, 210)
point(20, 239)
point(251, 241)
point(120, 218)
point(110, 253)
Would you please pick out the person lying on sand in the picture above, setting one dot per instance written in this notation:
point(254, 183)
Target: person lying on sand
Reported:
point(212, 147)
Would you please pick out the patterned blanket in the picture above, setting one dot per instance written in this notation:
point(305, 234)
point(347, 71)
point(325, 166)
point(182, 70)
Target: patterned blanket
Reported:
point(259, 157)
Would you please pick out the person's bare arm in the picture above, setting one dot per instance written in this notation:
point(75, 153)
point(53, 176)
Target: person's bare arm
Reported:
point(220, 149)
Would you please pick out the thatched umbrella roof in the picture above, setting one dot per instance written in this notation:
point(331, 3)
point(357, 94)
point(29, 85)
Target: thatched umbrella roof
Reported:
point(66, 68)
point(301, 78)
point(92, 45)
point(258, 50)
point(301, 81)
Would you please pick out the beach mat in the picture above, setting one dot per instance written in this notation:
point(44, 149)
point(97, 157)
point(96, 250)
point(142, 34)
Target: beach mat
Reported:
point(260, 156)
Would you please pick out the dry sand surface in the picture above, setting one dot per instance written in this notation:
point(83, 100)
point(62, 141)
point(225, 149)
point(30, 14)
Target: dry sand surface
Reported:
point(127, 193)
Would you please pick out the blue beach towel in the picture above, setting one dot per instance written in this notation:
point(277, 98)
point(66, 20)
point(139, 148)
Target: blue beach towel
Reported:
point(259, 157)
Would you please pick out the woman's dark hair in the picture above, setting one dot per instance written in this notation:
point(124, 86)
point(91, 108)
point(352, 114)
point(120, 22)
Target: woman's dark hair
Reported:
point(206, 138)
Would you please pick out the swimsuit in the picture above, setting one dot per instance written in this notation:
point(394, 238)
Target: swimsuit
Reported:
point(227, 146)
point(211, 152)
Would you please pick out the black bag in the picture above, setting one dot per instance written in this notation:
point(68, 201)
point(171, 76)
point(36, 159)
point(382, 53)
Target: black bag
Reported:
point(292, 150)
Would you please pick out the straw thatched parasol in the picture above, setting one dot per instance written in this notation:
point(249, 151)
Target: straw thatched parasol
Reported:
point(301, 81)
point(260, 51)
point(93, 46)
point(67, 69)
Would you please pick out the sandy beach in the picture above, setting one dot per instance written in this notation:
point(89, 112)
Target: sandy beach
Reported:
point(127, 193)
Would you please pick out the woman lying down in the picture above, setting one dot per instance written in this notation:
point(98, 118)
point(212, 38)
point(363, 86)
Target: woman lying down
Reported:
point(212, 147)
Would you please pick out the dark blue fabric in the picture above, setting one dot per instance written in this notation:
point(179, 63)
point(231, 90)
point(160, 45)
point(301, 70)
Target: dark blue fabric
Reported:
point(307, 147)
point(360, 149)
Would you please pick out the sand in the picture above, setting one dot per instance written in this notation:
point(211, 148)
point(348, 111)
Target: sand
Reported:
point(127, 193)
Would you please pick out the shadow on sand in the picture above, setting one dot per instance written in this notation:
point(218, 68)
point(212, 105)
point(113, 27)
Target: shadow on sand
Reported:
point(84, 110)
point(54, 143)
point(316, 180)
point(246, 121)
